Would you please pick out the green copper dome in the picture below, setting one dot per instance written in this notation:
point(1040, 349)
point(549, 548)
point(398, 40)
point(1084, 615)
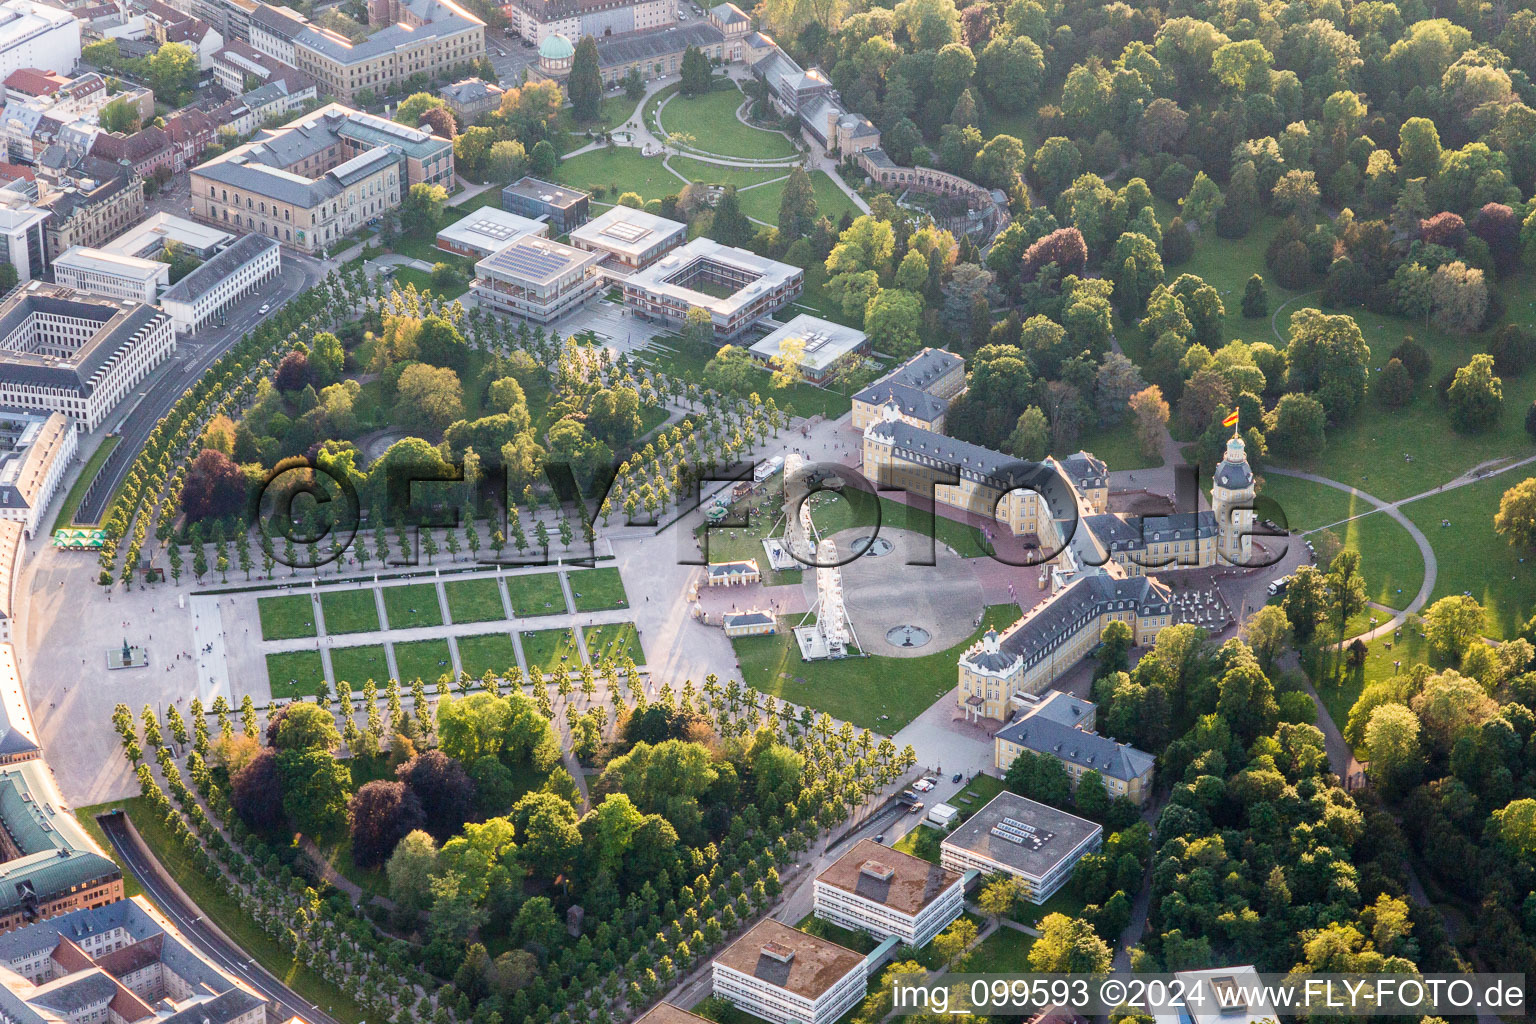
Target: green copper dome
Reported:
point(556, 47)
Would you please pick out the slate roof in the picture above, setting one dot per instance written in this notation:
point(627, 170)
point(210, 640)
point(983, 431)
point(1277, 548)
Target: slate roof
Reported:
point(729, 14)
point(615, 51)
point(1085, 470)
point(910, 400)
point(1050, 624)
point(972, 461)
point(241, 251)
point(1087, 750)
point(120, 322)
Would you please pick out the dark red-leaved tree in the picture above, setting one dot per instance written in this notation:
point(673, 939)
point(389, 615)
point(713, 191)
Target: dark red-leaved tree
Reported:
point(1064, 247)
point(442, 121)
point(214, 487)
point(256, 792)
point(1447, 229)
point(447, 795)
point(293, 372)
point(1497, 225)
point(382, 813)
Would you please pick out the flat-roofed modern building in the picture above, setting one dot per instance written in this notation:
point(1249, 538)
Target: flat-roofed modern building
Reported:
point(536, 279)
point(37, 449)
point(814, 345)
point(61, 351)
point(37, 36)
point(666, 1013)
point(206, 294)
point(785, 975)
point(1220, 995)
point(563, 206)
point(1024, 838)
point(99, 272)
point(485, 231)
point(735, 287)
point(873, 888)
point(629, 239)
point(150, 236)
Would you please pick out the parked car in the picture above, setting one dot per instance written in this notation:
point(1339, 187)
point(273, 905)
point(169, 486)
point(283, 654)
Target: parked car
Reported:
point(880, 838)
point(957, 777)
point(923, 785)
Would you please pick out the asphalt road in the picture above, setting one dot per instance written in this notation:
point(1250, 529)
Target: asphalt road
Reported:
point(190, 922)
point(193, 356)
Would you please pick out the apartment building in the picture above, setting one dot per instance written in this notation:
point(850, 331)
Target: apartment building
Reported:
point(90, 211)
point(787, 976)
point(536, 279)
point(873, 888)
point(1031, 841)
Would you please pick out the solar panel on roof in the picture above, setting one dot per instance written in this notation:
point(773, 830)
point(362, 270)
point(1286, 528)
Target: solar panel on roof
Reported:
point(626, 232)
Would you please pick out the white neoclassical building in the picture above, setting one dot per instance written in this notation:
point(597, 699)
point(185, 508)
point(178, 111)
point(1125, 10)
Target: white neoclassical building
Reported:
point(204, 295)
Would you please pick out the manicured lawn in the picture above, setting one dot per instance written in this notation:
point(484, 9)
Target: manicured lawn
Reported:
point(1063, 902)
point(976, 794)
point(423, 659)
point(350, 611)
point(618, 171)
point(711, 120)
point(423, 282)
point(543, 649)
point(613, 641)
point(1005, 951)
point(215, 901)
point(1472, 557)
point(616, 109)
point(82, 483)
point(1116, 445)
point(723, 174)
point(763, 203)
point(490, 651)
point(359, 664)
point(739, 543)
point(874, 693)
point(287, 617)
point(293, 674)
point(412, 605)
point(922, 841)
point(596, 590)
point(474, 600)
point(536, 593)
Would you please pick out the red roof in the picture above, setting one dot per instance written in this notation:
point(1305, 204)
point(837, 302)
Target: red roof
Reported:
point(35, 81)
point(10, 172)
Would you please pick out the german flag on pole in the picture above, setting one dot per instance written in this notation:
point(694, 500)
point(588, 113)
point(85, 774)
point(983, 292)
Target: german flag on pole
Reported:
point(1231, 420)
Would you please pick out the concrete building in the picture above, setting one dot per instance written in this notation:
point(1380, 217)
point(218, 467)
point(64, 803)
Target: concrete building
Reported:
point(536, 279)
point(817, 347)
point(784, 975)
point(36, 449)
point(23, 234)
point(318, 179)
point(889, 894)
point(64, 352)
point(98, 272)
point(562, 206)
point(1032, 842)
point(150, 236)
point(205, 295)
point(736, 287)
point(666, 1013)
point(471, 98)
point(119, 963)
point(628, 239)
point(485, 231)
point(1060, 726)
point(36, 36)
point(921, 388)
point(1219, 995)
point(537, 20)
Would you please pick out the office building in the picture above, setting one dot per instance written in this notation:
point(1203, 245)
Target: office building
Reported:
point(23, 233)
point(629, 239)
point(1219, 995)
point(784, 975)
point(98, 272)
point(485, 231)
point(537, 20)
point(1060, 726)
point(205, 295)
point(89, 210)
point(735, 287)
point(666, 1013)
point(816, 348)
point(562, 206)
point(921, 388)
point(37, 36)
point(873, 888)
point(36, 449)
point(65, 352)
point(1029, 840)
point(536, 279)
point(150, 237)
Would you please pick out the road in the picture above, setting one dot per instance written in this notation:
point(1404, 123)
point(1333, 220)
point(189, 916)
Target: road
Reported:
point(186, 918)
point(193, 356)
point(510, 57)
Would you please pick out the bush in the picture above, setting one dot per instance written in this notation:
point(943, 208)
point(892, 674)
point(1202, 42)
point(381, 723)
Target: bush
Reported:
point(1255, 298)
point(1415, 359)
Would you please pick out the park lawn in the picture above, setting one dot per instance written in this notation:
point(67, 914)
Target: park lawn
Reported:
point(427, 660)
point(536, 593)
point(1005, 951)
point(492, 652)
point(359, 664)
point(612, 641)
point(1020, 124)
point(723, 174)
point(350, 611)
point(543, 649)
point(814, 300)
point(831, 201)
point(1472, 557)
point(480, 200)
point(412, 605)
point(762, 204)
point(721, 543)
point(883, 694)
point(293, 674)
point(674, 355)
point(976, 794)
point(596, 590)
point(214, 900)
point(287, 617)
point(923, 841)
point(1116, 445)
point(423, 282)
point(82, 483)
point(832, 512)
point(1062, 902)
point(474, 600)
point(616, 109)
point(619, 170)
point(711, 120)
